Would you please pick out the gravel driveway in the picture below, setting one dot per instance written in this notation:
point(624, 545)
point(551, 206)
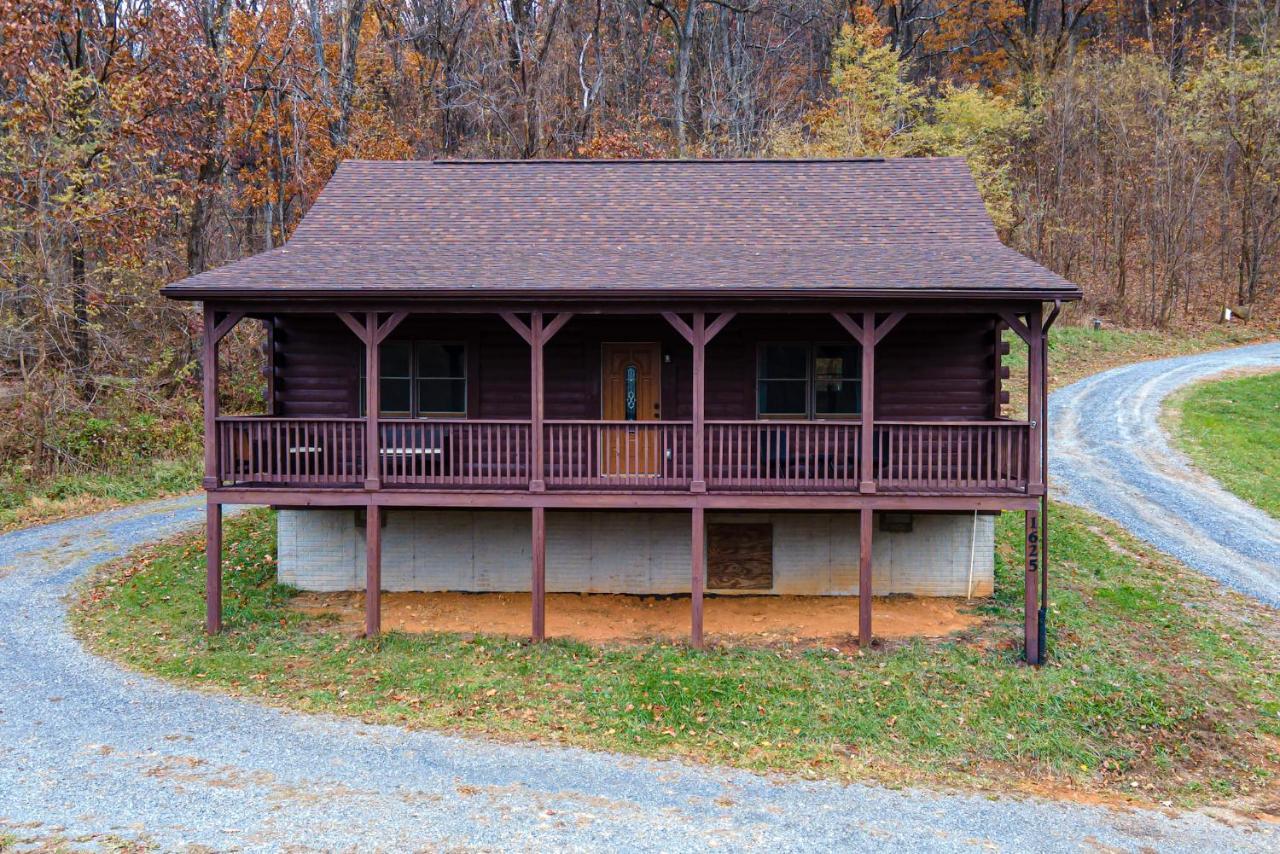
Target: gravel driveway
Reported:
point(88, 750)
point(1110, 455)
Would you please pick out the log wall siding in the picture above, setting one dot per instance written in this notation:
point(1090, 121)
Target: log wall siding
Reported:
point(931, 367)
point(936, 367)
point(316, 367)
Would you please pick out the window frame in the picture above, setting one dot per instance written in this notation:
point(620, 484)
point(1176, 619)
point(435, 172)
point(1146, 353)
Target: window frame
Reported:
point(415, 403)
point(761, 347)
point(856, 415)
point(811, 382)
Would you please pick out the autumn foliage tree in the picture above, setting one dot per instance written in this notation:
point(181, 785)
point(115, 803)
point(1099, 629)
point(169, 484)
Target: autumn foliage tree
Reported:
point(1130, 146)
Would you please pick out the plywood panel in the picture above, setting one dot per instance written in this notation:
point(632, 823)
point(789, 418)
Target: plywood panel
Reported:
point(740, 556)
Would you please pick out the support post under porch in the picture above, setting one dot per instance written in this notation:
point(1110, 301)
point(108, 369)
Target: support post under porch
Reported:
point(538, 575)
point(697, 563)
point(865, 518)
point(213, 567)
point(373, 570)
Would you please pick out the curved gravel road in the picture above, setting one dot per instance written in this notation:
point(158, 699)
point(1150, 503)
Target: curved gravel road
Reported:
point(1110, 455)
point(91, 751)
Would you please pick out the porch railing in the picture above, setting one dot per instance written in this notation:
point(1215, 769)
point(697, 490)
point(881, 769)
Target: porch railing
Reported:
point(618, 454)
point(951, 456)
point(312, 451)
point(454, 453)
point(786, 455)
point(764, 456)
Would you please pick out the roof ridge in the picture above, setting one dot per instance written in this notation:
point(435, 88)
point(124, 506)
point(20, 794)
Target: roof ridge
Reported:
point(678, 161)
point(623, 161)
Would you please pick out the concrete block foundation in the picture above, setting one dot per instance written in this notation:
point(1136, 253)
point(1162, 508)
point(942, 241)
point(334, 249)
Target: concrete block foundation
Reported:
point(628, 551)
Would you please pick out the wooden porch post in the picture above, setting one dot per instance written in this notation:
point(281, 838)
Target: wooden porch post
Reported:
point(1043, 617)
point(1035, 402)
point(1031, 621)
point(697, 581)
point(373, 403)
point(372, 570)
point(212, 333)
point(865, 518)
point(699, 482)
point(1032, 333)
point(537, 473)
point(209, 367)
point(213, 567)
point(538, 583)
point(213, 512)
point(867, 482)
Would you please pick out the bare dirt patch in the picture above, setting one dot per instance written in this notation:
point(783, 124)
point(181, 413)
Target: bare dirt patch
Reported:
point(597, 617)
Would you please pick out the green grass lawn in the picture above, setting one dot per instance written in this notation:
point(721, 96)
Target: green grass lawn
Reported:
point(1231, 430)
point(1159, 686)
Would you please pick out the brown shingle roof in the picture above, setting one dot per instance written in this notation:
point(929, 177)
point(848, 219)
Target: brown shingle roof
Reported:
point(911, 227)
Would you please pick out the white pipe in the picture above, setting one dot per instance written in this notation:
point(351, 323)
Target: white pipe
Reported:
point(973, 550)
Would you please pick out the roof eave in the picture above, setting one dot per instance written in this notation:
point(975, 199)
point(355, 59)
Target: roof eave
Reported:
point(1068, 293)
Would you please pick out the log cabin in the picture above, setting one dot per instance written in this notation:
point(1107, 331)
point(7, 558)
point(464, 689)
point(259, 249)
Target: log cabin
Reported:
point(659, 377)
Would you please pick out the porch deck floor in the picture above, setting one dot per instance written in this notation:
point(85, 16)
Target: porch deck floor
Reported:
point(608, 490)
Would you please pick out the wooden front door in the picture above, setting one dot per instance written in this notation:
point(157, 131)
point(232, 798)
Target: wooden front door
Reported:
point(631, 392)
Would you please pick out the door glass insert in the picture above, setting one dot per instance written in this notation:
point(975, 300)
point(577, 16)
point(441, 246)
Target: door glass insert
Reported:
point(629, 400)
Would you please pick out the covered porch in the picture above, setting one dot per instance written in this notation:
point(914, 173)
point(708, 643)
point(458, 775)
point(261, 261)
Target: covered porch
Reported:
point(888, 401)
point(905, 412)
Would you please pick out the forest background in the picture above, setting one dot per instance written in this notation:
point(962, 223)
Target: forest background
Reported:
point(1132, 146)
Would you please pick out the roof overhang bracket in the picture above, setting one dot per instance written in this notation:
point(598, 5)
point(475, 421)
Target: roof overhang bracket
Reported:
point(521, 328)
point(677, 323)
point(1011, 320)
point(886, 326)
point(226, 324)
point(1053, 315)
point(721, 321)
point(355, 326)
point(850, 325)
point(556, 324)
point(389, 325)
point(526, 332)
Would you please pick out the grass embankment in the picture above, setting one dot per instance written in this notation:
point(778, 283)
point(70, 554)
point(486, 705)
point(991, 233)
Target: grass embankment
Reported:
point(1075, 352)
point(24, 503)
point(1231, 430)
point(1153, 690)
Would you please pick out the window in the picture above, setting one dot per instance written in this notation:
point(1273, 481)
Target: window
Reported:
point(420, 379)
point(395, 383)
point(442, 379)
point(837, 379)
point(783, 380)
point(809, 381)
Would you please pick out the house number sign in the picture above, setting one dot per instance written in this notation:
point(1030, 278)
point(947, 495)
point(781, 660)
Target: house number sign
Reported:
point(1033, 543)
